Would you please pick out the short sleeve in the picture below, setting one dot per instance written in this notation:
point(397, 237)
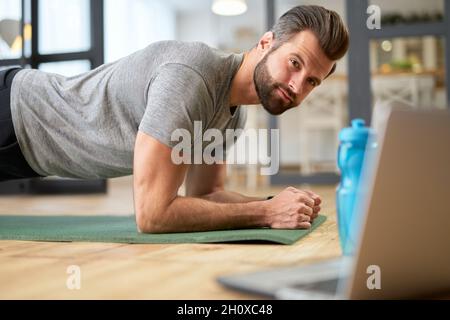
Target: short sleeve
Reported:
point(177, 97)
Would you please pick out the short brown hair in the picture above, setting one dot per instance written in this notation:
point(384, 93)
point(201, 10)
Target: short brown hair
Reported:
point(327, 25)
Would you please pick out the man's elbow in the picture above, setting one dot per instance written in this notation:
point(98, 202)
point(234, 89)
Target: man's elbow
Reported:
point(149, 221)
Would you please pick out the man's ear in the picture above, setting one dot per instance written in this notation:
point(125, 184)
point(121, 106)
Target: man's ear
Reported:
point(266, 41)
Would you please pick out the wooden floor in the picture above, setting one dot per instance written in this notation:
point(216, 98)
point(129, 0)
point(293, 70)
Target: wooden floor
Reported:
point(37, 270)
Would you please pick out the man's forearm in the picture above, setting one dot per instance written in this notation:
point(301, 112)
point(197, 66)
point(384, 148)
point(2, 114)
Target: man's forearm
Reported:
point(224, 196)
point(186, 214)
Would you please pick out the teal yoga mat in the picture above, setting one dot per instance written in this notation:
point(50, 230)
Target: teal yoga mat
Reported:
point(123, 230)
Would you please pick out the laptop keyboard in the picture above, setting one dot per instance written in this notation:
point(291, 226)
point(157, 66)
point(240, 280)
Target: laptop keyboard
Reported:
point(329, 285)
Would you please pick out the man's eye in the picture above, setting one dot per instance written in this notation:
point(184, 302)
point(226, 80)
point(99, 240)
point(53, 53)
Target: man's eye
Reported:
point(295, 63)
point(312, 82)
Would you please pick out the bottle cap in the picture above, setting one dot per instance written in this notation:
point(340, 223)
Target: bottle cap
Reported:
point(357, 132)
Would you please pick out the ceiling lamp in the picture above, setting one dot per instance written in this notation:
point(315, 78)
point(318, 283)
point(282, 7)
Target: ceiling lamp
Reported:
point(229, 7)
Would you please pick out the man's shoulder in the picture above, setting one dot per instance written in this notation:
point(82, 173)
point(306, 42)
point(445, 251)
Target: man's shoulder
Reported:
point(197, 55)
point(191, 57)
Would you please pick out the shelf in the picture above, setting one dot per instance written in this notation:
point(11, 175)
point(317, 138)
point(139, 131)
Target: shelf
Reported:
point(409, 30)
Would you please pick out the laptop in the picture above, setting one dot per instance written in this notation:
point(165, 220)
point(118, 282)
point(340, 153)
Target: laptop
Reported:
point(403, 246)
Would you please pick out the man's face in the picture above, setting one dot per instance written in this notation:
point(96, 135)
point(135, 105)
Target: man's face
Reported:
point(285, 76)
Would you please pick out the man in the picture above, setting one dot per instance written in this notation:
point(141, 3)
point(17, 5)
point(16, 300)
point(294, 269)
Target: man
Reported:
point(119, 118)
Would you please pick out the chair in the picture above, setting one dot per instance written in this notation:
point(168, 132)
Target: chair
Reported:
point(396, 89)
point(415, 91)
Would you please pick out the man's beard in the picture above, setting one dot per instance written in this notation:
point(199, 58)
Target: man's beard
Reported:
point(266, 88)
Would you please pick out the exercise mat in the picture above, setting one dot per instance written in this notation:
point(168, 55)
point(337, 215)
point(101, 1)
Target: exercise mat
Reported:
point(122, 229)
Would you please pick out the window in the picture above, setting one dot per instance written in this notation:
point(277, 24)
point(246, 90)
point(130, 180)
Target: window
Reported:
point(10, 29)
point(66, 68)
point(64, 37)
point(64, 26)
point(133, 25)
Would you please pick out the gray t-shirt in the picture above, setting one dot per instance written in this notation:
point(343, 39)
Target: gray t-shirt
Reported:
point(85, 126)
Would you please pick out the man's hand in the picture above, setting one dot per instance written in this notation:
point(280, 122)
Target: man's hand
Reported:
point(293, 209)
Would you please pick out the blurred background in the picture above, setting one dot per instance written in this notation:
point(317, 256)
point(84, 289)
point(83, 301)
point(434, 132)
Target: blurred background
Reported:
point(406, 60)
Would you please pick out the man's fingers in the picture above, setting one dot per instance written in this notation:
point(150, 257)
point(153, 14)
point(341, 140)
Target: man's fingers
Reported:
point(306, 210)
point(304, 225)
point(304, 218)
point(316, 197)
point(316, 209)
point(306, 200)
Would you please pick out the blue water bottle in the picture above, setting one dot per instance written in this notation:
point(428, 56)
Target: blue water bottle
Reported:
point(350, 158)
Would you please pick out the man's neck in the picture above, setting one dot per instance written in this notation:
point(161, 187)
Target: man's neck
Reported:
point(242, 87)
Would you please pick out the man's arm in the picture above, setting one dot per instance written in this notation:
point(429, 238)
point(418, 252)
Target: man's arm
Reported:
point(208, 182)
point(159, 209)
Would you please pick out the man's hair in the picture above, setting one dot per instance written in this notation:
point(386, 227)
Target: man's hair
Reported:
point(327, 25)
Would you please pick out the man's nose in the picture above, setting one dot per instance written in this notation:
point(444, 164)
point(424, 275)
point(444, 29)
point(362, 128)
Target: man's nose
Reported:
point(295, 85)
point(295, 89)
